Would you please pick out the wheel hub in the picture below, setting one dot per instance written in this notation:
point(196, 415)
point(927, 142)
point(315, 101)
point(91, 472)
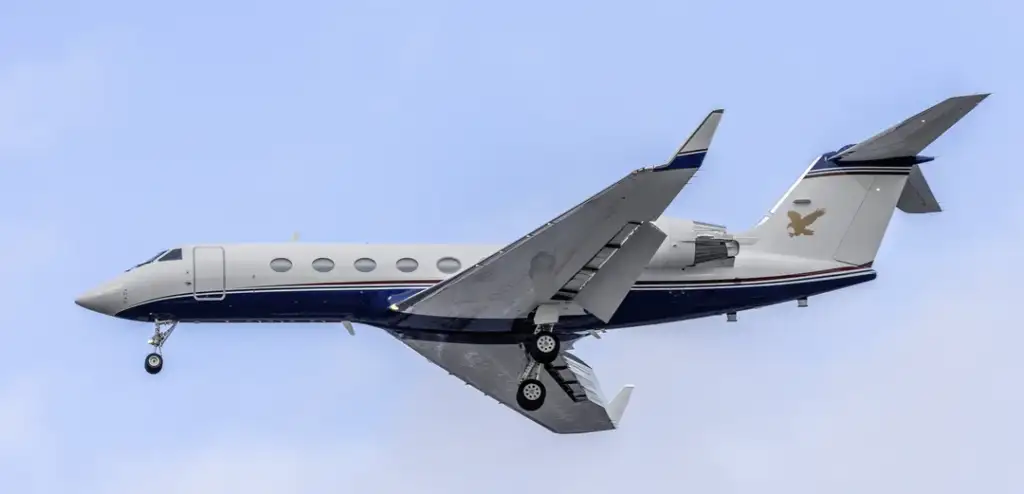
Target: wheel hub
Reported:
point(546, 343)
point(532, 392)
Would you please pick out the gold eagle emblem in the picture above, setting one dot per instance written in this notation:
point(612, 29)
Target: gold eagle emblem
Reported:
point(798, 224)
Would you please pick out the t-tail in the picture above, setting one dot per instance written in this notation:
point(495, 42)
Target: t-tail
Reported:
point(841, 206)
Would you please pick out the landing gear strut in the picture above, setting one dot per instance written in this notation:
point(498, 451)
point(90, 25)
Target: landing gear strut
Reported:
point(542, 348)
point(155, 361)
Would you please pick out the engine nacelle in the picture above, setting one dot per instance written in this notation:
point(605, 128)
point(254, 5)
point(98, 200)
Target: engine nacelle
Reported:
point(689, 243)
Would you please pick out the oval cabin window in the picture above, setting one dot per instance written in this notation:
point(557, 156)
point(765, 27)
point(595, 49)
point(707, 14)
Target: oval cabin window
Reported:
point(323, 264)
point(280, 264)
point(448, 265)
point(365, 265)
point(407, 265)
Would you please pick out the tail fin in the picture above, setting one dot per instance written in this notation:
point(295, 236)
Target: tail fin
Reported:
point(841, 206)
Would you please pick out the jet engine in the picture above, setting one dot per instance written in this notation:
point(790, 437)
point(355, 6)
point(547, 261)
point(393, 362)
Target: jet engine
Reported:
point(689, 243)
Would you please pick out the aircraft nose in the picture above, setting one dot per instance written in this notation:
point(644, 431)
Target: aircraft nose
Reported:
point(106, 299)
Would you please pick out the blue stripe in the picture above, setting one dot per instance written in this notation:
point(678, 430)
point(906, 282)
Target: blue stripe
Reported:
point(402, 290)
point(826, 161)
point(689, 160)
point(370, 306)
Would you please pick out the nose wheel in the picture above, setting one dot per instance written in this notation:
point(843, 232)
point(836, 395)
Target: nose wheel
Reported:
point(154, 363)
point(155, 360)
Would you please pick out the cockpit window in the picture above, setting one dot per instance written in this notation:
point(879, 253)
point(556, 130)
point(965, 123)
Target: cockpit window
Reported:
point(171, 255)
point(151, 259)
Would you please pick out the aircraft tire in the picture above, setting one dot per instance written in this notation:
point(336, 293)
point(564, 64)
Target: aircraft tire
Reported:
point(154, 363)
point(544, 347)
point(530, 395)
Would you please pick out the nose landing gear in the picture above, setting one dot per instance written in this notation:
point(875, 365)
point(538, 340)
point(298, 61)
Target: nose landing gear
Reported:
point(155, 361)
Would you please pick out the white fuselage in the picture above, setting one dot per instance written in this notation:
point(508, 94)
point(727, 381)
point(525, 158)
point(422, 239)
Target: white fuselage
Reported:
point(313, 282)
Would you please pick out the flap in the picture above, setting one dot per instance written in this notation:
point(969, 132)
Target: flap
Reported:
point(604, 292)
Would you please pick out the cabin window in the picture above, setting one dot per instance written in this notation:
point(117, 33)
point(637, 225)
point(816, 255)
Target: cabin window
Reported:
point(280, 265)
point(448, 265)
point(171, 255)
point(323, 264)
point(365, 265)
point(407, 265)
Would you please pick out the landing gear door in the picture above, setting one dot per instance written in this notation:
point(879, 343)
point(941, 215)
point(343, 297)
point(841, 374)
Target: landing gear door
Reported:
point(209, 278)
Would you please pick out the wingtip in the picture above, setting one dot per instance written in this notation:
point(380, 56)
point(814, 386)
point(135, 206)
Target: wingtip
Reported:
point(977, 97)
point(691, 154)
point(618, 405)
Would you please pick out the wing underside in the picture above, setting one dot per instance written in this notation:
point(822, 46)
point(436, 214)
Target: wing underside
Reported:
point(574, 403)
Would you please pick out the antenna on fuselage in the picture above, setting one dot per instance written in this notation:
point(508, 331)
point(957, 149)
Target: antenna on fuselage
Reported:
point(295, 237)
point(348, 326)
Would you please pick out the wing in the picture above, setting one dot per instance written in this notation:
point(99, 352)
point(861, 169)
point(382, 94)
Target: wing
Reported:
point(570, 248)
point(574, 403)
point(911, 136)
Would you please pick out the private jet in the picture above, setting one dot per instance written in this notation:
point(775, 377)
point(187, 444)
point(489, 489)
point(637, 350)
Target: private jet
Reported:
point(504, 318)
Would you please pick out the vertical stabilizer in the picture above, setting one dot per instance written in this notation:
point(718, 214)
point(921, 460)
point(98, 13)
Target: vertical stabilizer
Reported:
point(841, 206)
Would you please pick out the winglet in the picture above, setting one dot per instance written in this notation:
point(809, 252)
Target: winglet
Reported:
point(691, 154)
point(618, 405)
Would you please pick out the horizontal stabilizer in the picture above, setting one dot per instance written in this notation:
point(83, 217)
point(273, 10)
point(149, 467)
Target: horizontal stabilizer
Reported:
point(917, 196)
point(910, 137)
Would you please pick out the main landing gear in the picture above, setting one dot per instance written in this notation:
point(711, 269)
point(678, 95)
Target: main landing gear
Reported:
point(542, 348)
point(155, 361)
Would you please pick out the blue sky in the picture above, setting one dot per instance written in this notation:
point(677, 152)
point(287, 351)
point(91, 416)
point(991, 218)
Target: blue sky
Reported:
point(126, 128)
